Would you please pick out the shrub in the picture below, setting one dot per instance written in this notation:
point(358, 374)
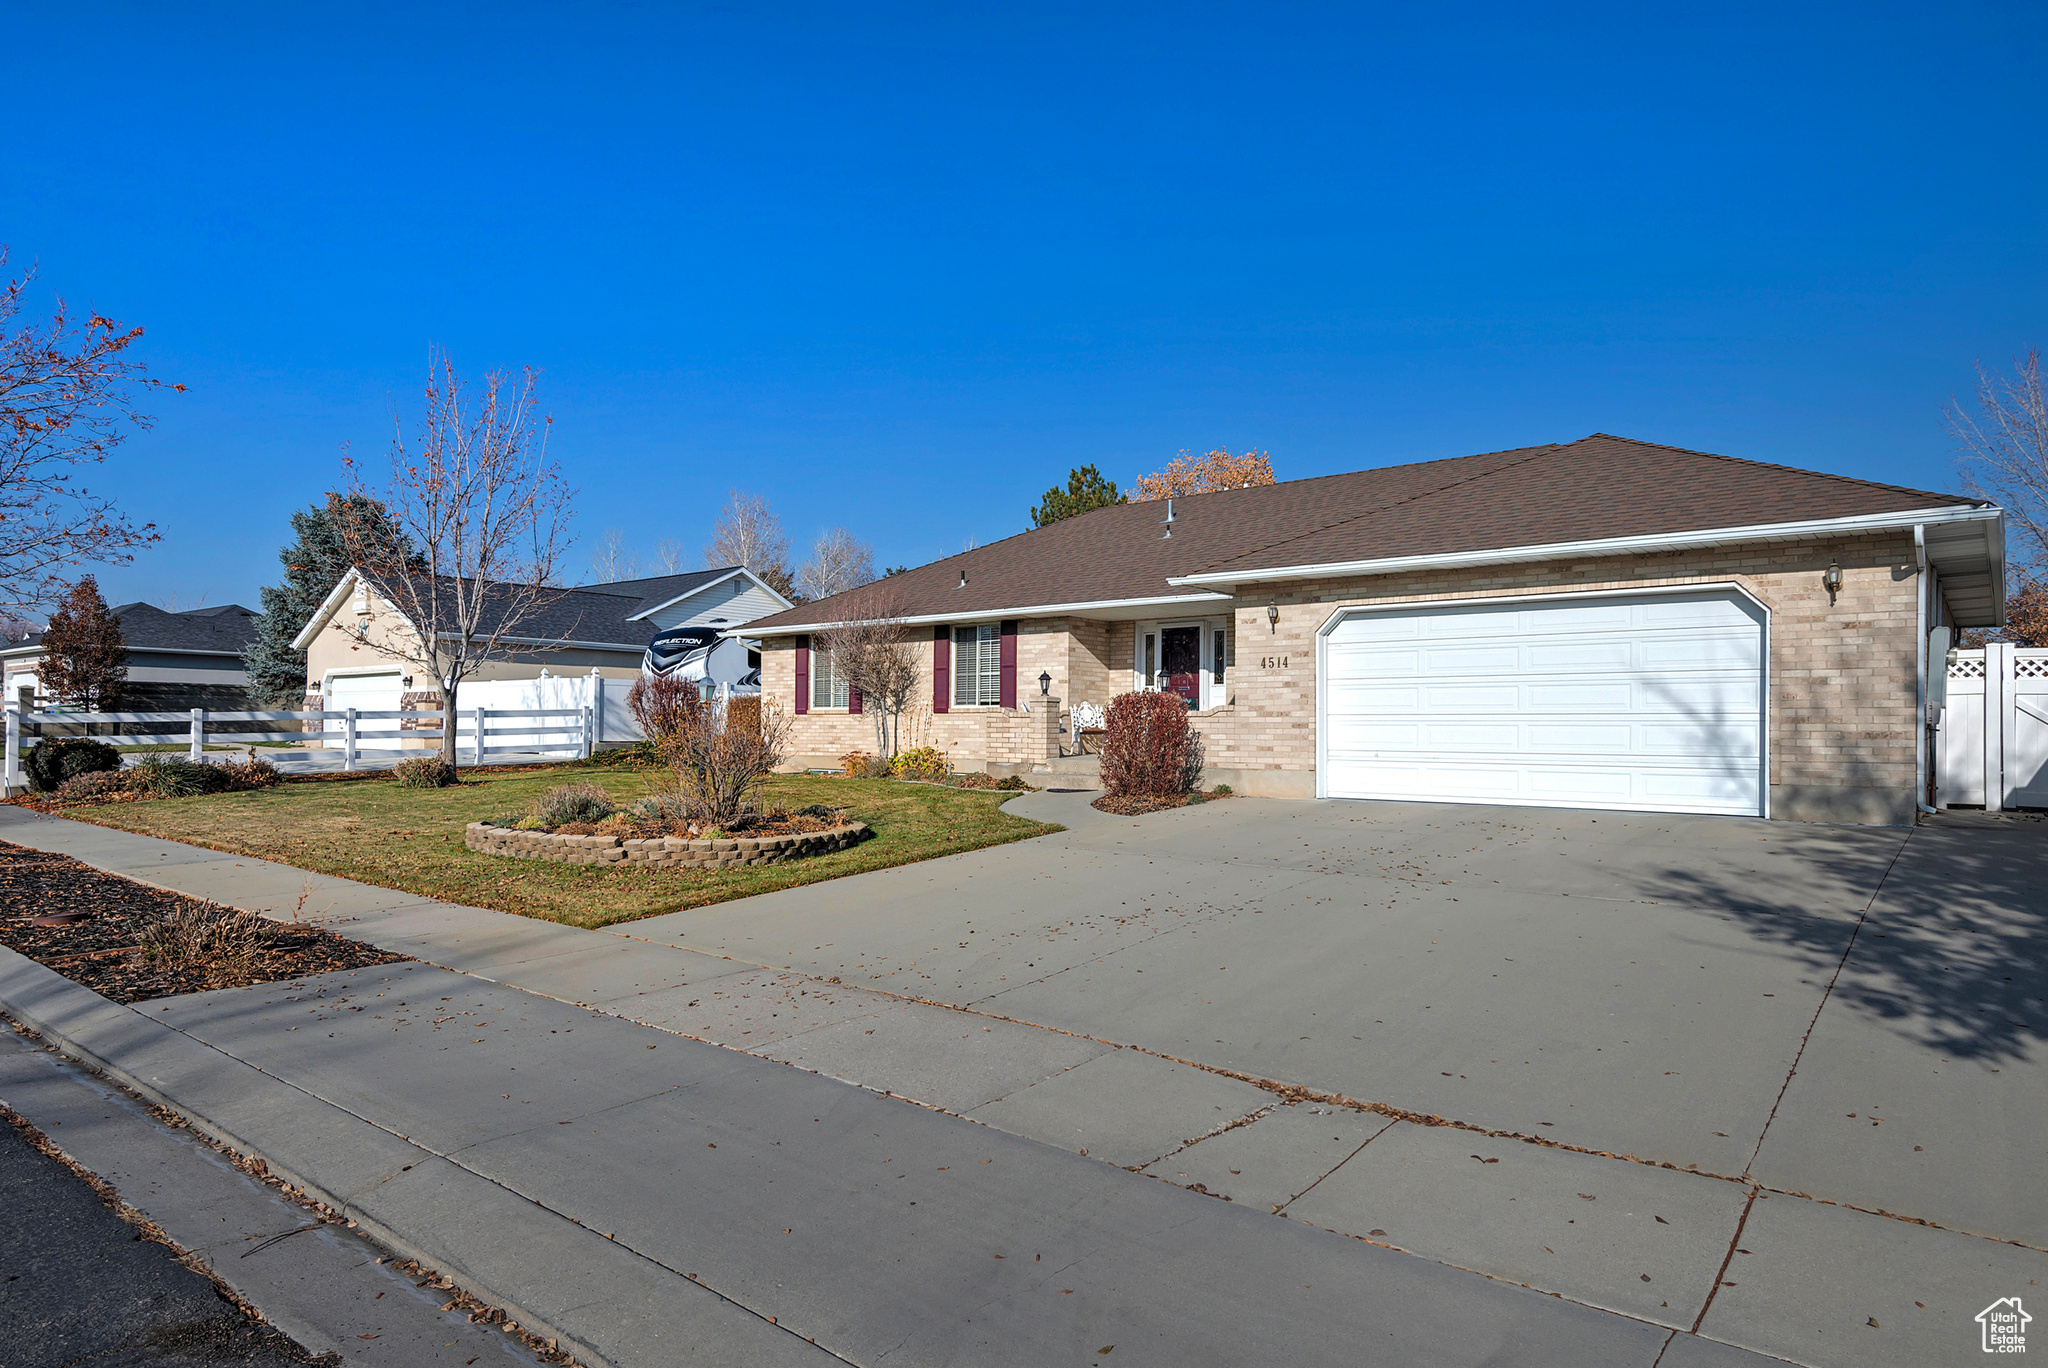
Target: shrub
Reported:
point(253, 773)
point(665, 708)
point(854, 764)
point(926, 762)
point(566, 803)
point(92, 788)
point(158, 776)
point(423, 771)
point(726, 754)
point(206, 936)
point(1013, 783)
point(819, 811)
point(55, 759)
point(1148, 749)
point(658, 809)
point(1222, 790)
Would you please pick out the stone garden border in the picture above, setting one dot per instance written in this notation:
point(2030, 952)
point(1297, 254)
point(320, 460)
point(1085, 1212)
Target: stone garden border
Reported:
point(660, 852)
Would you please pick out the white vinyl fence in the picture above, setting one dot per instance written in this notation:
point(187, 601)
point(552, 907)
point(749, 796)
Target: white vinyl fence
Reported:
point(1992, 748)
point(481, 732)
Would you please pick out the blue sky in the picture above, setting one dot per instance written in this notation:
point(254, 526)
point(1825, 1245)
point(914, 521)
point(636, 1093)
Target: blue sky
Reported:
point(900, 268)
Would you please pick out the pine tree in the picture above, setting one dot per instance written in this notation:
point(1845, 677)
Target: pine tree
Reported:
point(84, 660)
point(1086, 490)
point(313, 565)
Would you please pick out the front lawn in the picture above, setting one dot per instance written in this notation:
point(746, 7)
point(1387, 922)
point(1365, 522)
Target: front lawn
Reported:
point(375, 832)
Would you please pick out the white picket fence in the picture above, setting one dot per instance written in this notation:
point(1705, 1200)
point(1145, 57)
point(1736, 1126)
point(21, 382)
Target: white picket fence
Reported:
point(481, 733)
point(1992, 746)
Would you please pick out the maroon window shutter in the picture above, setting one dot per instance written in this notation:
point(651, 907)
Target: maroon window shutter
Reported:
point(1007, 662)
point(942, 669)
point(803, 674)
point(853, 700)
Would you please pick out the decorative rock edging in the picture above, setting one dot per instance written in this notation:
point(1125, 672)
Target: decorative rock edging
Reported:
point(660, 852)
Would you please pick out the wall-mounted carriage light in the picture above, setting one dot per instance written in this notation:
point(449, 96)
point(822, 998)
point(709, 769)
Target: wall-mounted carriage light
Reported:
point(1273, 616)
point(1832, 581)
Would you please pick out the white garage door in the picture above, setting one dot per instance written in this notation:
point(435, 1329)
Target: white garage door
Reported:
point(365, 693)
point(1652, 703)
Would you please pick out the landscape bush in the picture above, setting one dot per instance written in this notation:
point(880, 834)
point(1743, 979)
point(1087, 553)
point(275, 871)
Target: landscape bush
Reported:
point(94, 787)
point(725, 754)
point(926, 762)
point(1148, 749)
point(567, 803)
point(253, 773)
point(159, 776)
point(220, 940)
point(55, 759)
point(423, 771)
point(665, 708)
point(1013, 783)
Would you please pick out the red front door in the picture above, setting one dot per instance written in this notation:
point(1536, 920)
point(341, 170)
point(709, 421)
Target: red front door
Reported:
point(1180, 663)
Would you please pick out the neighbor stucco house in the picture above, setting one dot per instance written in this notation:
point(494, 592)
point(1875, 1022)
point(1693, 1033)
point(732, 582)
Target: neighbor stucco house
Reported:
point(605, 628)
point(176, 661)
point(1603, 623)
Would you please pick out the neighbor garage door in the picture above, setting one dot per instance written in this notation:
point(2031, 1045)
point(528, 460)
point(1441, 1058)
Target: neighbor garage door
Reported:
point(366, 693)
point(1651, 703)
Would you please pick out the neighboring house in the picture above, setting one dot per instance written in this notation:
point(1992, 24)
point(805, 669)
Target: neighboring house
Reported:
point(605, 627)
point(1603, 623)
point(176, 661)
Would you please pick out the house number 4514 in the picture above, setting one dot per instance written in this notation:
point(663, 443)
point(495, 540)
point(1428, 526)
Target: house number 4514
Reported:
point(1273, 662)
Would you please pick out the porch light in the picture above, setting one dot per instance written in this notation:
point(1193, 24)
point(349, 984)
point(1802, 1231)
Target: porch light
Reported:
point(1832, 581)
point(1273, 616)
point(1044, 684)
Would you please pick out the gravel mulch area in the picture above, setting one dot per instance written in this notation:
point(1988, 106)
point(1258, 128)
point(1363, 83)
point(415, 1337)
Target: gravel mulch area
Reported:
point(100, 918)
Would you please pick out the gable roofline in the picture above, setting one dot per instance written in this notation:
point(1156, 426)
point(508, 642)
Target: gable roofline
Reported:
point(1607, 546)
point(329, 606)
point(712, 584)
point(1033, 610)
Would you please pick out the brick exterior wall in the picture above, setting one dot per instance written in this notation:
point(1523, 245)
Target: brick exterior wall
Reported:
point(1842, 725)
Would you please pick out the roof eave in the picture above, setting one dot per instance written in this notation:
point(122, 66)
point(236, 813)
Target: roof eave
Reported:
point(1699, 538)
point(329, 606)
point(984, 614)
point(712, 584)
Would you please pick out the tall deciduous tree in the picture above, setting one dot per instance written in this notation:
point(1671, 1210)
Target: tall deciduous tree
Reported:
point(473, 494)
point(68, 395)
point(611, 561)
point(1188, 474)
point(875, 652)
point(748, 533)
point(85, 662)
point(2004, 449)
point(839, 561)
point(1086, 491)
point(314, 562)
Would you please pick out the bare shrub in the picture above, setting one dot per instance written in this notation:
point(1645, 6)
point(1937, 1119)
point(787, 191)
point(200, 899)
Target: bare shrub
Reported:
point(218, 940)
point(1148, 749)
point(424, 771)
point(663, 706)
point(727, 753)
point(567, 803)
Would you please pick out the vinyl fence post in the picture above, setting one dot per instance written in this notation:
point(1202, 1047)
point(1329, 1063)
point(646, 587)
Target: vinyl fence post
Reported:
point(10, 775)
point(348, 738)
point(589, 730)
point(476, 737)
point(197, 753)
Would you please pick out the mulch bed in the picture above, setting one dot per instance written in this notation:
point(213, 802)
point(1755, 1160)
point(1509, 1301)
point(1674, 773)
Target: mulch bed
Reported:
point(1137, 805)
point(97, 948)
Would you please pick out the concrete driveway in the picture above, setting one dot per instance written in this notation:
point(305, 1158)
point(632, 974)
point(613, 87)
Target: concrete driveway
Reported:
point(1774, 1081)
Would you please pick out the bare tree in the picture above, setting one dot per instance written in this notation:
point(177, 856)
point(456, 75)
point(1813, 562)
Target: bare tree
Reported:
point(611, 562)
point(873, 650)
point(67, 396)
point(748, 533)
point(839, 561)
point(484, 515)
point(668, 554)
point(2004, 447)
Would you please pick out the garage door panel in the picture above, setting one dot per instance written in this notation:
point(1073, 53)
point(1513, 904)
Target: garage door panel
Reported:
point(1370, 662)
point(1631, 703)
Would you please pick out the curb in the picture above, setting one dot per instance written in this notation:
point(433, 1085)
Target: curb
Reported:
point(208, 1088)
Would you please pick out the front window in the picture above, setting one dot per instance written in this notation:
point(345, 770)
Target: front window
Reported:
point(828, 686)
point(977, 666)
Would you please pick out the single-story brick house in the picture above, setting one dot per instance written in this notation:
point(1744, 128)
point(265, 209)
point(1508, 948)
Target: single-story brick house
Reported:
point(1604, 623)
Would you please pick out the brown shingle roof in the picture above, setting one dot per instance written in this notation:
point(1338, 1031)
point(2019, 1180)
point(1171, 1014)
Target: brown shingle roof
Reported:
point(1594, 488)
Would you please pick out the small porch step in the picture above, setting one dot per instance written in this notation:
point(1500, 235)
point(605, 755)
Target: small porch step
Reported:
point(1069, 772)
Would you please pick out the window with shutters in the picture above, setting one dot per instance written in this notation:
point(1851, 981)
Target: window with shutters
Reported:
point(828, 686)
point(977, 666)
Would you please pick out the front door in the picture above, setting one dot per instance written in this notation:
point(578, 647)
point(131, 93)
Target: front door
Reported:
point(1180, 663)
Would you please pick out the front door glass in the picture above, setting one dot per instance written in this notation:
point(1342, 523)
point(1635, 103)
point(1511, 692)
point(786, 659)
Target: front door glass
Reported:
point(1180, 661)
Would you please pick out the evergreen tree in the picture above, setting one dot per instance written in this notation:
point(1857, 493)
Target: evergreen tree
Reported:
point(1086, 490)
point(84, 660)
point(313, 564)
